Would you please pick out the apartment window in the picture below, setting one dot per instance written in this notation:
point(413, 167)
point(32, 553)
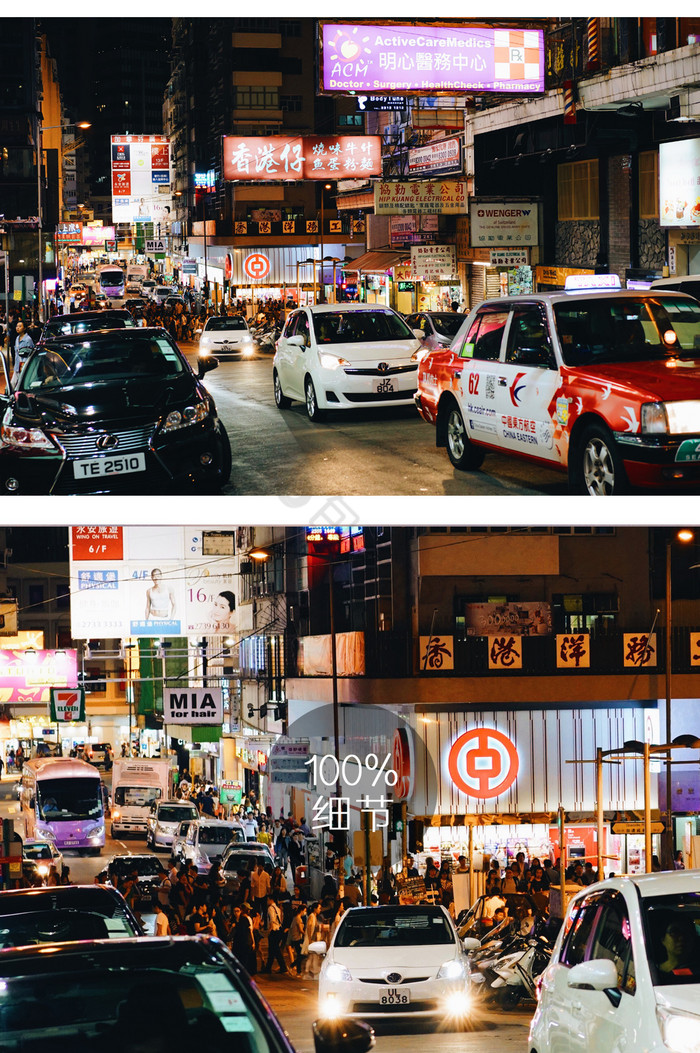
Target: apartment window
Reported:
point(649, 185)
point(350, 119)
point(36, 597)
point(63, 597)
point(257, 98)
point(578, 190)
point(291, 103)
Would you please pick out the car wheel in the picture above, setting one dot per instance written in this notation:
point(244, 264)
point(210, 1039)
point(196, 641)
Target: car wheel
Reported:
point(281, 399)
point(312, 410)
point(596, 466)
point(461, 451)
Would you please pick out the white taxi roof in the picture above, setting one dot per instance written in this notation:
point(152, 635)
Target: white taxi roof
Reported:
point(663, 883)
point(562, 296)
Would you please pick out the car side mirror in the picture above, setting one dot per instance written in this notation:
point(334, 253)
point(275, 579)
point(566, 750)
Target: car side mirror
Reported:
point(470, 944)
point(342, 1036)
point(599, 974)
point(296, 341)
point(206, 365)
point(419, 334)
point(318, 947)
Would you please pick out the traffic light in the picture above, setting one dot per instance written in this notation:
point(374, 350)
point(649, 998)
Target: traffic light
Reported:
point(395, 820)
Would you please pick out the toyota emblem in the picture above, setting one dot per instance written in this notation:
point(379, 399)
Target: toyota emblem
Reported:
point(394, 978)
point(383, 366)
point(107, 442)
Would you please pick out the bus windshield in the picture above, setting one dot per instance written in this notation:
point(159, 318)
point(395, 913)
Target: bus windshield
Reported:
point(69, 799)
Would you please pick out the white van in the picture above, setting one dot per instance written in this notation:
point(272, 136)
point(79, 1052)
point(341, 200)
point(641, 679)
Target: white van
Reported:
point(203, 841)
point(165, 819)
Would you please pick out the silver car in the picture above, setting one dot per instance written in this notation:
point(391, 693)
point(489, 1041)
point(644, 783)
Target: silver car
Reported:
point(226, 338)
point(163, 823)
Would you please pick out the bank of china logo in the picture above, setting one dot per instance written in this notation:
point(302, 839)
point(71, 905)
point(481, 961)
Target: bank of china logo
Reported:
point(483, 763)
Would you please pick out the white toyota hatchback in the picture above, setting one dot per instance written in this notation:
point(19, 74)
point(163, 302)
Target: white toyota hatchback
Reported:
point(345, 356)
point(625, 971)
point(395, 961)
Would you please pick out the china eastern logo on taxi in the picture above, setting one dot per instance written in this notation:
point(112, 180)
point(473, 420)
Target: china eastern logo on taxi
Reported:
point(516, 389)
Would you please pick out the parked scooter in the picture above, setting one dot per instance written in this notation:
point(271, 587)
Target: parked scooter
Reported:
point(505, 970)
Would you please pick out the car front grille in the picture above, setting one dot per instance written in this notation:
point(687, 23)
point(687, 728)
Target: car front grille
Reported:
point(390, 372)
point(84, 444)
point(386, 983)
point(383, 396)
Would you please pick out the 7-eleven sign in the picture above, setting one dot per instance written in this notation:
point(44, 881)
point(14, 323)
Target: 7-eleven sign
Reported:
point(67, 703)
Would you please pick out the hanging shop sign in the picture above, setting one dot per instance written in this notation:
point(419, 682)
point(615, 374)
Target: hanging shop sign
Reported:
point(518, 619)
point(258, 159)
point(288, 762)
point(433, 262)
point(442, 158)
point(503, 222)
point(28, 676)
point(434, 196)
point(230, 792)
point(430, 58)
point(437, 652)
point(193, 705)
point(67, 704)
point(508, 257)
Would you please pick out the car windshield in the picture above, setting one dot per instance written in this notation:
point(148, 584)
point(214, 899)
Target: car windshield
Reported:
point(70, 324)
point(143, 796)
point(64, 799)
point(672, 936)
point(54, 926)
point(447, 324)
point(144, 864)
point(159, 997)
point(176, 813)
point(215, 835)
point(359, 327)
point(37, 851)
point(220, 325)
point(370, 928)
point(100, 361)
point(625, 329)
point(237, 862)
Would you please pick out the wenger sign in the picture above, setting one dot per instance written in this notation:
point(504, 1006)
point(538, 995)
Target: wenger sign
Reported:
point(193, 705)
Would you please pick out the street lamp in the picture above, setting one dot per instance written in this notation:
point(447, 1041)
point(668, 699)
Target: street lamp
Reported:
point(684, 536)
point(322, 289)
point(335, 260)
point(40, 129)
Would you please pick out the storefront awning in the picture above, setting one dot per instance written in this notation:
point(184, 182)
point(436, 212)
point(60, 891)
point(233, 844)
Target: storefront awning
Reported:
point(519, 818)
point(378, 261)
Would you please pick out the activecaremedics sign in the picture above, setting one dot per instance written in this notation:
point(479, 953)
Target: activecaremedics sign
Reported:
point(430, 58)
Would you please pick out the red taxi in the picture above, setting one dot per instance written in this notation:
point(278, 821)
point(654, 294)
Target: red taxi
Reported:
point(602, 384)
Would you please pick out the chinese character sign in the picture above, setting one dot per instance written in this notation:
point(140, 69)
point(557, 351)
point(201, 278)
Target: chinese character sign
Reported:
point(257, 159)
point(436, 652)
point(388, 57)
point(432, 262)
point(417, 198)
point(695, 649)
point(639, 650)
point(573, 651)
point(505, 652)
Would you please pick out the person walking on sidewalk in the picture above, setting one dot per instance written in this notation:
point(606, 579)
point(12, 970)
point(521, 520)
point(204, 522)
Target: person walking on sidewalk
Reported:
point(296, 936)
point(275, 934)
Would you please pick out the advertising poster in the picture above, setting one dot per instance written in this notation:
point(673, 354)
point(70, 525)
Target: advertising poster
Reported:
point(433, 196)
point(141, 178)
point(148, 581)
point(388, 57)
point(432, 262)
point(679, 183)
point(28, 676)
point(518, 619)
point(503, 223)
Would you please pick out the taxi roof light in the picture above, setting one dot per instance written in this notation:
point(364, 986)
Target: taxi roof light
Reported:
point(575, 282)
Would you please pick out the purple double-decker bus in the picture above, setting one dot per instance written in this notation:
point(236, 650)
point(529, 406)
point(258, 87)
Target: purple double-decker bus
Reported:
point(61, 798)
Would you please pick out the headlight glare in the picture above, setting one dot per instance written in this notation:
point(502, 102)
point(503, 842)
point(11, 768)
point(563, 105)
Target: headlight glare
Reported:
point(679, 1030)
point(336, 973)
point(452, 970)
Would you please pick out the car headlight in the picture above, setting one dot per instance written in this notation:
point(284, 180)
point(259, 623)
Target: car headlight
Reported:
point(452, 970)
point(43, 869)
point(25, 438)
point(327, 361)
point(671, 418)
point(178, 419)
point(679, 1031)
point(336, 973)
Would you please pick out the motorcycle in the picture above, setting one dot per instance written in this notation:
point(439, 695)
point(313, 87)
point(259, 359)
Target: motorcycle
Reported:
point(505, 970)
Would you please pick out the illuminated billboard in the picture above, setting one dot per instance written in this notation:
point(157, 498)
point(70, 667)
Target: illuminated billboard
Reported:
point(28, 675)
point(385, 57)
point(679, 183)
point(141, 179)
point(148, 581)
point(253, 158)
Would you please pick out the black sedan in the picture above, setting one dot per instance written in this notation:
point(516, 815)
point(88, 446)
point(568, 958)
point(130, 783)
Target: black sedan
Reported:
point(148, 870)
point(155, 994)
point(85, 322)
point(114, 411)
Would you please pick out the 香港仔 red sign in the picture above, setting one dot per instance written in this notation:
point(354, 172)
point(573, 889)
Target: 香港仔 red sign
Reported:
point(258, 159)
